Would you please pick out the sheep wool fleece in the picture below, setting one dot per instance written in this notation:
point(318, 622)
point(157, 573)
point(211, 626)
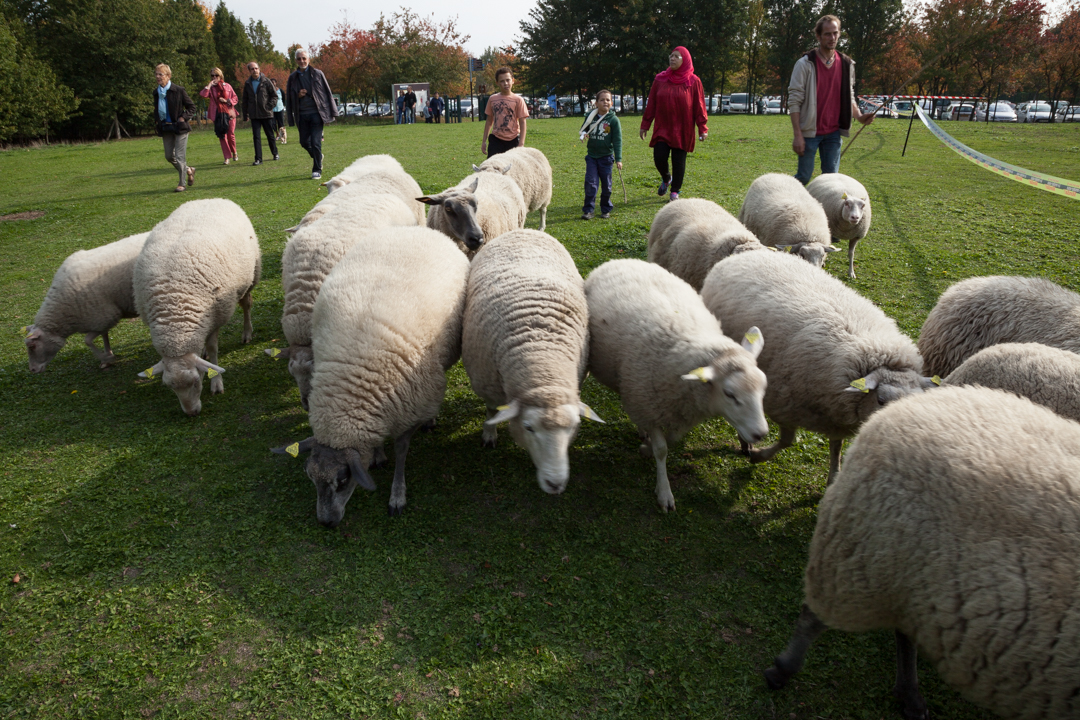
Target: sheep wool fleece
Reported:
point(387, 325)
point(956, 520)
point(983, 311)
point(829, 190)
point(500, 207)
point(525, 334)
point(92, 290)
point(779, 211)
point(530, 169)
point(195, 267)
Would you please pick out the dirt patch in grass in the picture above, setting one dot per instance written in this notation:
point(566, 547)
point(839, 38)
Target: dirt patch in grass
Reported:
point(28, 215)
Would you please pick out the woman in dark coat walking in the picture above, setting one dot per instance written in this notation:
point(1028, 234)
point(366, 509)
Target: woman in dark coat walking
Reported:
point(172, 110)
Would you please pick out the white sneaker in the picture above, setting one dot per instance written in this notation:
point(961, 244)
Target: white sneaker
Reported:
point(316, 176)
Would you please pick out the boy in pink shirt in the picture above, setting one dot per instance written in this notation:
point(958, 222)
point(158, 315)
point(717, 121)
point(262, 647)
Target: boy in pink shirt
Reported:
point(506, 113)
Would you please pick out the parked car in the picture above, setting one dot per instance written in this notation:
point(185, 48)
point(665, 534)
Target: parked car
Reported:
point(742, 103)
point(903, 108)
point(962, 112)
point(1069, 114)
point(772, 107)
point(1035, 112)
point(999, 112)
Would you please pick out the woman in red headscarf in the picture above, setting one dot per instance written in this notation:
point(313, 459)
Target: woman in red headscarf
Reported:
point(677, 104)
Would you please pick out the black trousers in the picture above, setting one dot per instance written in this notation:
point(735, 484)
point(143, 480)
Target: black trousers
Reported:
point(267, 126)
point(678, 164)
point(498, 145)
point(311, 131)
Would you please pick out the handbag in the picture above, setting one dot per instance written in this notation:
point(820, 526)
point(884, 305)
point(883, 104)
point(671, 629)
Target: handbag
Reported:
point(221, 124)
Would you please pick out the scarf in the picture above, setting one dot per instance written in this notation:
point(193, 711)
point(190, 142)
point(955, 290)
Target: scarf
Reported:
point(684, 75)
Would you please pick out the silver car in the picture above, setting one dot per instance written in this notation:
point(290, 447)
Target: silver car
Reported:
point(999, 112)
point(1035, 112)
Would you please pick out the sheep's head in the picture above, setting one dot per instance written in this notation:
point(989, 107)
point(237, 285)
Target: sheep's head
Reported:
point(42, 346)
point(459, 213)
point(334, 183)
point(183, 375)
point(335, 474)
point(301, 362)
point(814, 253)
point(546, 433)
point(884, 385)
point(853, 209)
point(735, 387)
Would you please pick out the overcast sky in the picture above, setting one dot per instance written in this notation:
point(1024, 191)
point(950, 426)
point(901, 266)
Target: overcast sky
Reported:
point(489, 22)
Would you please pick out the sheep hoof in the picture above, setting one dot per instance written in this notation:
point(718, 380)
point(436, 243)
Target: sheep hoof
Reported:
point(395, 511)
point(776, 678)
point(489, 443)
point(429, 425)
point(217, 386)
point(755, 456)
point(667, 502)
point(745, 448)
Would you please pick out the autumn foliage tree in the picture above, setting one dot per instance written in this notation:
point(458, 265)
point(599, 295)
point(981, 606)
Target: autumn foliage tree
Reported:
point(1056, 67)
point(349, 61)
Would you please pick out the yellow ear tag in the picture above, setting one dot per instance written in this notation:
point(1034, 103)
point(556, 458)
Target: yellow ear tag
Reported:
point(211, 373)
point(753, 337)
point(274, 353)
point(503, 407)
point(25, 330)
point(844, 196)
point(787, 249)
point(936, 379)
point(293, 449)
point(860, 384)
point(149, 372)
point(699, 373)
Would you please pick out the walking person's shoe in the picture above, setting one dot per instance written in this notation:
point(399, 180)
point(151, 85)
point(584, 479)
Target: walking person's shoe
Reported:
point(605, 215)
point(587, 216)
point(673, 196)
point(190, 176)
point(257, 162)
point(663, 188)
point(180, 188)
point(234, 157)
point(277, 157)
point(316, 176)
point(227, 160)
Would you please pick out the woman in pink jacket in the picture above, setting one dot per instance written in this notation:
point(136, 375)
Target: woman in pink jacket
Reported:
point(222, 100)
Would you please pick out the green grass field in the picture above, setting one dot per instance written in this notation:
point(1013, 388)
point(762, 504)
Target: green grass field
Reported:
point(172, 567)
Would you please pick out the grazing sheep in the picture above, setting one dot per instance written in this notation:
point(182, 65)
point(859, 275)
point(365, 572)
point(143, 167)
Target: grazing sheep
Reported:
point(530, 169)
point(653, 341)
point(847, 206)
point(362, 166)
point(481, 207)
point(525, 347)
point(379, 181)
point(688, 237)
point(309, 257)
point(1043, 374)
point(197, 264)
point(782, 214)
point(983, 311)
point(386, 327)
point(833, 357)
point(956, 523)
point(90, 293)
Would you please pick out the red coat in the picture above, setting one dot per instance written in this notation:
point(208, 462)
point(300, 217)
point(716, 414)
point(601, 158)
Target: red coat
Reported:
point(676, 109)
point(222, 93)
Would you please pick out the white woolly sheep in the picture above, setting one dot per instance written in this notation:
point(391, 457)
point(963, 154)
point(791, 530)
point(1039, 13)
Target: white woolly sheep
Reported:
point(530, 169)
point(847, 206)
point(833, 357)
point(386, 327)
point(481, 207)
point(309, 257)
point(525, 347)
point(782, 214)
point(377, 181)
point(690, 236)
point(956, 523)
point(653, 341)
point(195, 267)
point(90, 293)
point(983, 311)
point(1043, 374)
point(362, 166)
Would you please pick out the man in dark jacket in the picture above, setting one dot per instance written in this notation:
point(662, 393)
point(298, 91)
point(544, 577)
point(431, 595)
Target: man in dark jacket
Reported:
point(436, 105)
point(410, 106)
point(172, 110)
point(310, 104)
point(260, 97)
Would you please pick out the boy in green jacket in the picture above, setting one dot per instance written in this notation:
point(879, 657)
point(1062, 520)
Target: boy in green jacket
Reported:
point(602, 129)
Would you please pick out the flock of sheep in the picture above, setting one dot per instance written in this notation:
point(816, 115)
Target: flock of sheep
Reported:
point(954, 520)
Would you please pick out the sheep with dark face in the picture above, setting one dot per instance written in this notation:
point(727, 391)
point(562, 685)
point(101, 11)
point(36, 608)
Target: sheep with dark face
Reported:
point(386, 327)
point(530, 169)
point(481, 207)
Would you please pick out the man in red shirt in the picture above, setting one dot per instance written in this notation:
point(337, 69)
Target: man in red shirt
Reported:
point(821, 101)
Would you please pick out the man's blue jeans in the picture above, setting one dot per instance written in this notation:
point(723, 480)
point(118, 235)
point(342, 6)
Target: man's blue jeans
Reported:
point(829, 145)
point(598, 175)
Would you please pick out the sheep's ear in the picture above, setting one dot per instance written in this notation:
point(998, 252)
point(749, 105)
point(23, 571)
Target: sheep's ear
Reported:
point(293, 229)
point(363, 479)
point(753, 341)
point(831, 249)
point(506, 412)
point(208, 367)
point(788, 248)
point(587, 412)
point(863, 384)
point(770, 248)
point(334, 183)
point(277, 353)
point(475, 184)
point(296, 448)
point(931, 382)
point(506, 169)
point(702, 374)
point(476, 168)
point(26, 330)
point(153, 372)
point(432, 199)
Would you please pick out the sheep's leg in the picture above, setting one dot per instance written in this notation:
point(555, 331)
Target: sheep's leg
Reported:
point(663, 488)
point(430, 425)
point(490, 432)
point(397, 490)
point(912, 706)
point(246, 303)
point(646, 444)
point(789, 662)
point(217, 386)
point(543, 218)
point(787, 437)
point(851, 258)
point(104, 356)
point(836, 445)
point(378, 457)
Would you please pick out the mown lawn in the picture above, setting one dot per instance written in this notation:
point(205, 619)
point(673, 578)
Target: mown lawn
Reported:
point(172, 567)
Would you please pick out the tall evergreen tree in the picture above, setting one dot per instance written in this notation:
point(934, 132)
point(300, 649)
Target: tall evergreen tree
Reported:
point(867, 31)
point(231, 40)
point(34, 99)
point(259, 36)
